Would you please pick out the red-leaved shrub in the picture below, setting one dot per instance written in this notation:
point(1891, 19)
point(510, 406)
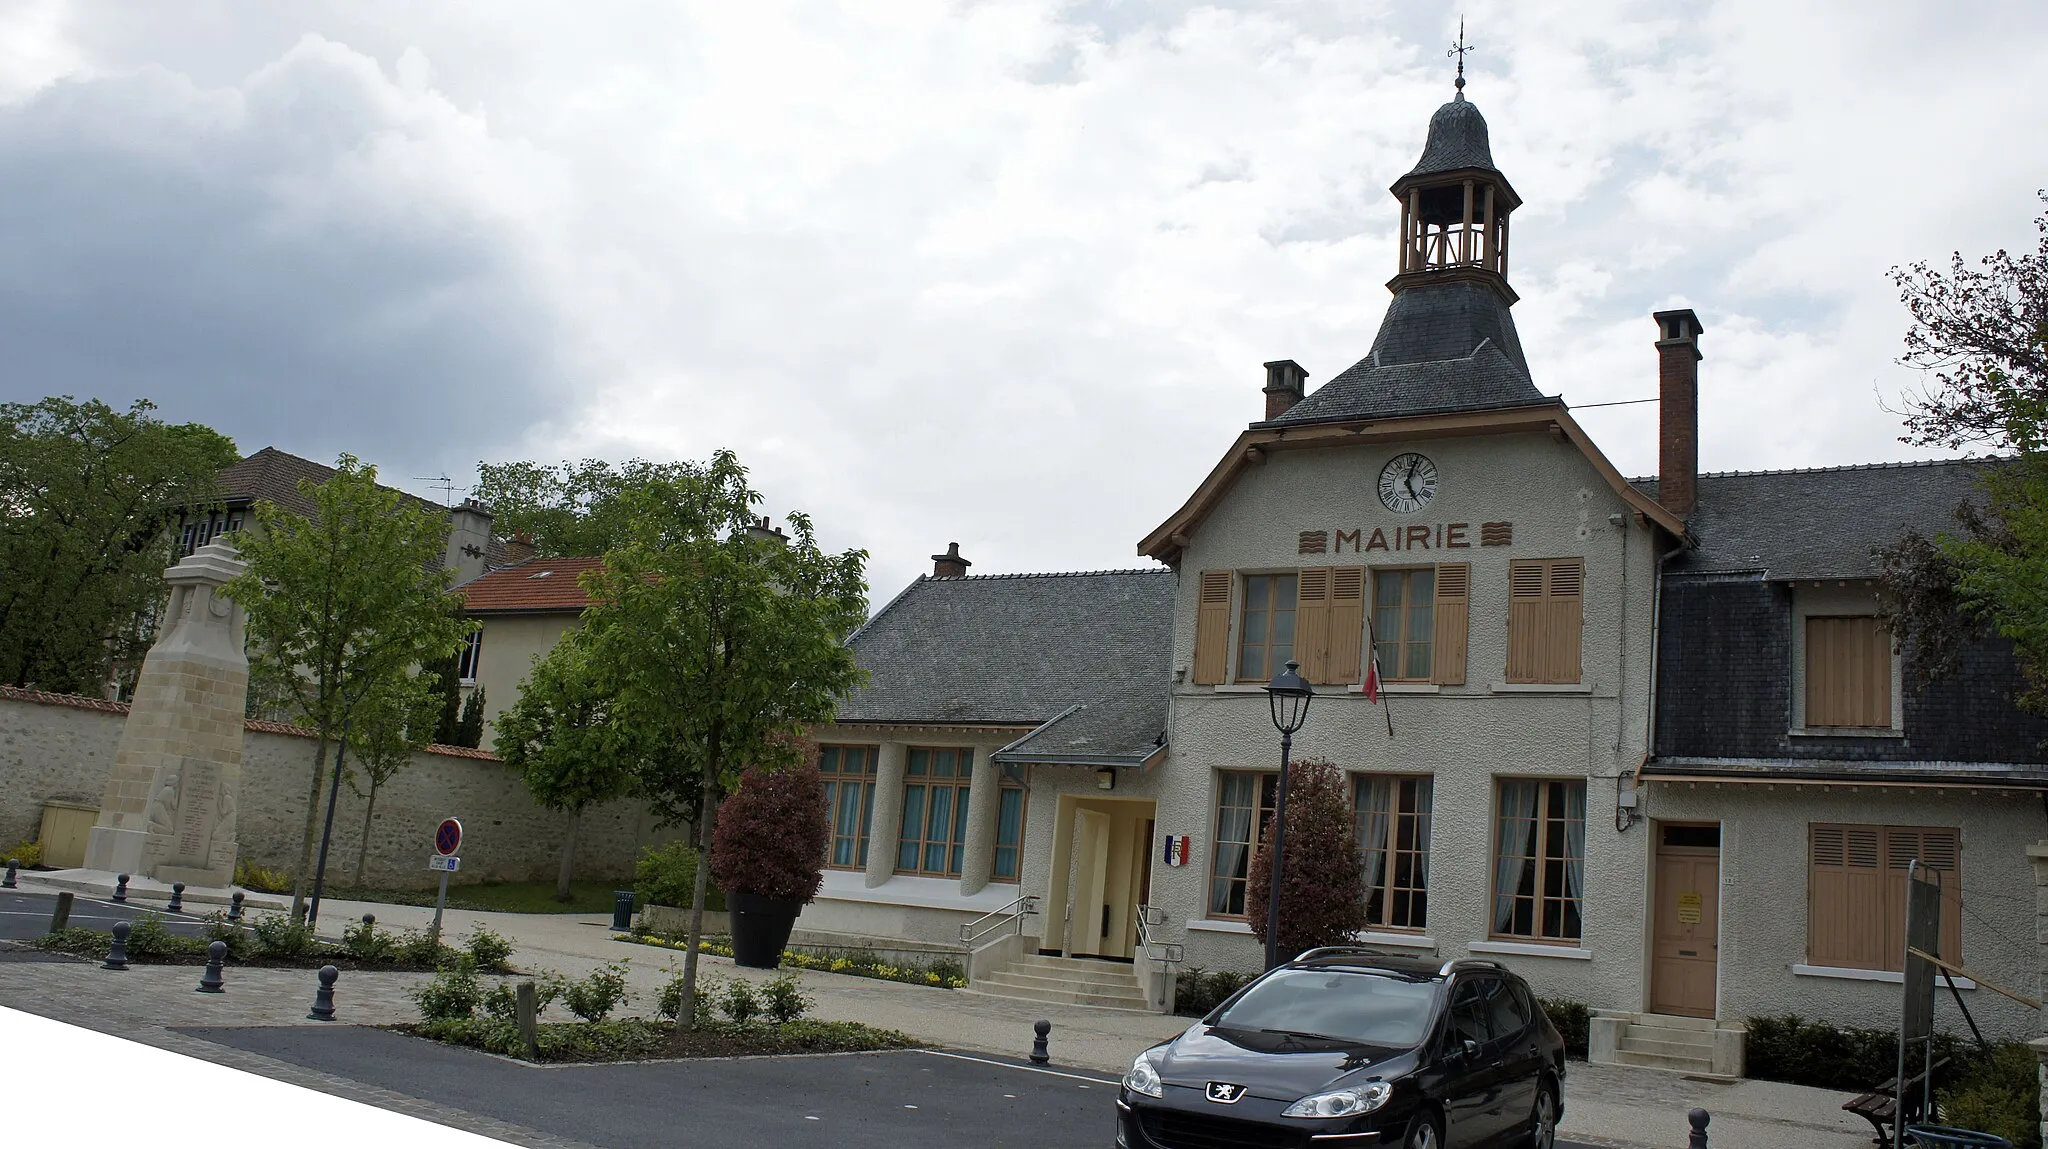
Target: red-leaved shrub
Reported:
point(1322, 886)
point(770, 836)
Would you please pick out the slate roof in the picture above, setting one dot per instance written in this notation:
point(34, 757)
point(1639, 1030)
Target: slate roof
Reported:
point(1442, 347)
point(273, 476)
point(536, 586)
point(1022, 650)
point(1821, 523)
point(1457, 140)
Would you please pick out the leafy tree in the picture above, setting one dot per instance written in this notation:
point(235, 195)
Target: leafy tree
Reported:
point(722, 641)
point(1322, 887)
point(447, 688)
point(88, 502)
point(469, 730)
point(570, 508)
point(341, 608)
point(389, 725)
point(565, 738)
point(1981, 335)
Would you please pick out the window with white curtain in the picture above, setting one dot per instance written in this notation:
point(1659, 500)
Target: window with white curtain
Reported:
point(1539, 859)
point(1391, 815)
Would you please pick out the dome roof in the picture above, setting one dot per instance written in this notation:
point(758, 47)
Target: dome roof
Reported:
point(1457, 140)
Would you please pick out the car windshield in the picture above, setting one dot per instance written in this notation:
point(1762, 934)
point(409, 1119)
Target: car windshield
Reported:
point(1346, 1005)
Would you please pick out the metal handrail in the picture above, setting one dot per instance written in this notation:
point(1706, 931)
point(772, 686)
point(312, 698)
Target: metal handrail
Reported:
point(1168, 953)
point(1019, 906)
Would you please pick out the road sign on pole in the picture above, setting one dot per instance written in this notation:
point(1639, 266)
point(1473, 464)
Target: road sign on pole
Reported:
point(447, 836)
point(447, 839)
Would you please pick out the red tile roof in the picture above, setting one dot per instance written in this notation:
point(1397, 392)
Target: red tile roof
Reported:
point(536, 585)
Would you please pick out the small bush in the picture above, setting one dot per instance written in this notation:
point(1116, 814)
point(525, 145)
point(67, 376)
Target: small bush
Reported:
point(594, 997)
point(278, 936)
point(1573, 1020)
point(218, 928)
point(1846, 1058)
point(784, 999)
point(363, 942)
point(667, 876)
point(771, 835)
point(1197, 991)
point(251, 876)
point(1999, 1094)
point(489, 948)
point(419, 948)
point(739, 1002)
point(454, 993)
point(709, 989)
point(29, 854)
point(149, 937)
point(502, 1001)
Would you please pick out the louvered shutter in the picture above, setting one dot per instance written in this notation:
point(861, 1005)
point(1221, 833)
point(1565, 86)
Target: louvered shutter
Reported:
point(1936, 849)
point(1526, 621)
point(1848, 672)
point(1564, 606)
point(1845, 916)
point(1347, 624)
point(1312, 623)
point(1450, 620)
point(1212, 628)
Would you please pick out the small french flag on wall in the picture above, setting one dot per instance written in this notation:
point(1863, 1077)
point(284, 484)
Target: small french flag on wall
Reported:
point(1178, 849)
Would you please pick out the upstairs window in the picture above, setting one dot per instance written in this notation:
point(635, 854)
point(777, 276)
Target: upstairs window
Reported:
point(1546, 619)
point(1267, 641)
point(1848, 672)
point(1317, 616)
point(1404, 622)
point(472, 654)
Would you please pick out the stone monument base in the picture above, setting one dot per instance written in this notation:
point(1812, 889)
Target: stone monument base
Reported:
point(193, 876)
point(115, 850)
point(100, 884)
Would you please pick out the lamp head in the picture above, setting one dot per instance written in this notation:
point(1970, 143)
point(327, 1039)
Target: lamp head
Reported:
point(1290, 693)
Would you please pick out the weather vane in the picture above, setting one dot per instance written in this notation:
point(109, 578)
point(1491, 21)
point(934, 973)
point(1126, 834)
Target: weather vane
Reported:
point(1458, 48)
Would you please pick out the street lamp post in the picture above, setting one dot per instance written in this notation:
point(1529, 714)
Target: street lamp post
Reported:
point(1289, 693)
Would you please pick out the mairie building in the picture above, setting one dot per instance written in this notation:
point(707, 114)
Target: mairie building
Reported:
point(1644, 741)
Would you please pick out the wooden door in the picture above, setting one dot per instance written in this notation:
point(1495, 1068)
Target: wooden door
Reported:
point(1686, 923)
point(1087, 922)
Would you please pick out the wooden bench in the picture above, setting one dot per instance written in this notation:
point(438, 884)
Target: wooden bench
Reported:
point(1879, 1106)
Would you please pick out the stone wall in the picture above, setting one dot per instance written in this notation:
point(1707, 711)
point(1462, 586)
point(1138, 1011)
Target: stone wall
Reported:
point(59, 748)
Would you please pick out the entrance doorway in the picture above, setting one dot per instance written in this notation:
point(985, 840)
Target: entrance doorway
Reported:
point(1686, 923)
point(1101, 871)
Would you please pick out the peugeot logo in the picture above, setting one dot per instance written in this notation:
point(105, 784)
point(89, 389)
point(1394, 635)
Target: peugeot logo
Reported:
point(1224, 1093)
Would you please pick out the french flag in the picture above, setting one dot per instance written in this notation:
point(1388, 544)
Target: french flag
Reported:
point(1372, 674)
point(1178, 850)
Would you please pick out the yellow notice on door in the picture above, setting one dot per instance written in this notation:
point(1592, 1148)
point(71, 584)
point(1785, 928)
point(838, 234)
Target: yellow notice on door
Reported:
point(1689, 907)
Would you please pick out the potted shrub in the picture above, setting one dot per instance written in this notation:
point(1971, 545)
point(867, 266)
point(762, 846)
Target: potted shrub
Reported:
point(768, 855)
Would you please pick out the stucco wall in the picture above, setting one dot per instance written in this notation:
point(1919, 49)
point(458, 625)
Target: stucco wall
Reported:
point(1466, 736)
point(512, 643)
point(61, 752)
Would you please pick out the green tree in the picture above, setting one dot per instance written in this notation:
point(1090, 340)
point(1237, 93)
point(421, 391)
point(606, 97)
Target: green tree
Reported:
point(1980, 333)
point(340, 608)
point(469, 729)
point(570, 508)
point(565, 739)
point(389, 724)
point(88, 504)
point(1322, 886)
point(722, 641)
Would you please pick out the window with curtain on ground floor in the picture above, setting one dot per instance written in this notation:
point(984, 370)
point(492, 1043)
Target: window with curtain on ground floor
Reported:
point(1539, 862)
point(1856, 892)
point(934, 811)
point(1244, 812)
point(849, 773)
point(1009, 859)
point(1391, 813)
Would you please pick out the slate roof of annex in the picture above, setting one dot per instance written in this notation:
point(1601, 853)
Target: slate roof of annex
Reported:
point(1819, 523)
point(536, 586)
point(273, 476)
point(1018, 650)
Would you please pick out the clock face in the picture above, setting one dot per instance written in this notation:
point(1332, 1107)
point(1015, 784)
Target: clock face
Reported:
point(1408, 483)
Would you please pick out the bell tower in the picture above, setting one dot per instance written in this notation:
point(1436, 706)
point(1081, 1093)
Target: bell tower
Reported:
point(1455, 204)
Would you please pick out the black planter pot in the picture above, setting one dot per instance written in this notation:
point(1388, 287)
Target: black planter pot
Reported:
point(760, 928)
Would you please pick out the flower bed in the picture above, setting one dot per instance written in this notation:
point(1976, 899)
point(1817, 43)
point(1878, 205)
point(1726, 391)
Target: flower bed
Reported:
point(940, 974)
point(274, 940)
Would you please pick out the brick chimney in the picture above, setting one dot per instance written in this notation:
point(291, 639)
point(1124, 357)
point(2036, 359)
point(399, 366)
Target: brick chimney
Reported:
point(950, 564)
point(1678, 425)
point(1285, 384)
point(767, 532)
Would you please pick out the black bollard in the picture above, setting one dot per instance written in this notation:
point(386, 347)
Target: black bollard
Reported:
point(235, 906)
point(1039, 1053)
point(370, 920)
point(177, 905)
point(13, 865)
point(117, 954)
point(1698, 1119)
point(210, 981)
point(323, 998)
point(61, 916)
point(120, 887)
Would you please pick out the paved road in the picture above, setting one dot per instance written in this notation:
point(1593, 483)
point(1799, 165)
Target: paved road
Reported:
point(25, 916)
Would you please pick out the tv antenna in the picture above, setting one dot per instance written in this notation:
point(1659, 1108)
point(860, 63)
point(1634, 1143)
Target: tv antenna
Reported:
point(446, 485)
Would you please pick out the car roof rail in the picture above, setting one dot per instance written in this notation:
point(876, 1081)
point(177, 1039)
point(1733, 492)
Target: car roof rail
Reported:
point(1469, 963)
point(1329, 951)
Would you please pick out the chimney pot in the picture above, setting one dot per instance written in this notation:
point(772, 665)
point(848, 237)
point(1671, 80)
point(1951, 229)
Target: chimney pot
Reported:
point(1286, 383)
point(1678, 424)
point(950, 564)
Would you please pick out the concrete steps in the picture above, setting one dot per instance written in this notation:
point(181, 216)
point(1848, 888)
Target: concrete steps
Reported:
point(1065, 981)
point(1693, 1045)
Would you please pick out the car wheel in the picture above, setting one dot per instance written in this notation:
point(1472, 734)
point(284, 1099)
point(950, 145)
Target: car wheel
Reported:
point(1543, 1122)
point(1422, 1132)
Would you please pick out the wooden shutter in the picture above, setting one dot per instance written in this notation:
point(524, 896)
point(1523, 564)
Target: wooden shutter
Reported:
point(1347, 624)
point(1526, 621)
point(1565, 606)
point(1212, 628)
point(1848, 672)
point(1937, 849)
point(1546, 619)
point(1450, 620)
point(1845, 896)
point(1312, 623)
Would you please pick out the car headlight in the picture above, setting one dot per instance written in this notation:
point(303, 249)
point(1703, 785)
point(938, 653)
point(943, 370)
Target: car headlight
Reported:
point(1342, 1102)
point(1144, 1077)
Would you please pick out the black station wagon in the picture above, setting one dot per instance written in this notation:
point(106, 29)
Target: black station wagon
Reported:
point(1346, 1047)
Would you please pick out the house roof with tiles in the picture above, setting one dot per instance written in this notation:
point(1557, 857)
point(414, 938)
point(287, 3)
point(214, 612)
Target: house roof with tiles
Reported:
point(273, 476)
point(536, 586)
point(1824, 523)
point(1090, 649)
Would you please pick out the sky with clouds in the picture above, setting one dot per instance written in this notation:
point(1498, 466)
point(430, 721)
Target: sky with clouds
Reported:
point(997, 272)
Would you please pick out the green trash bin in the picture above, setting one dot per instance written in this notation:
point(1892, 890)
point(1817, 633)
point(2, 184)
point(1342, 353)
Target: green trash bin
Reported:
point(1945, 1137)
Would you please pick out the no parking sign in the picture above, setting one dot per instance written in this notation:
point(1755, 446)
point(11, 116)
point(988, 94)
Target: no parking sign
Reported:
point(447, 836)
